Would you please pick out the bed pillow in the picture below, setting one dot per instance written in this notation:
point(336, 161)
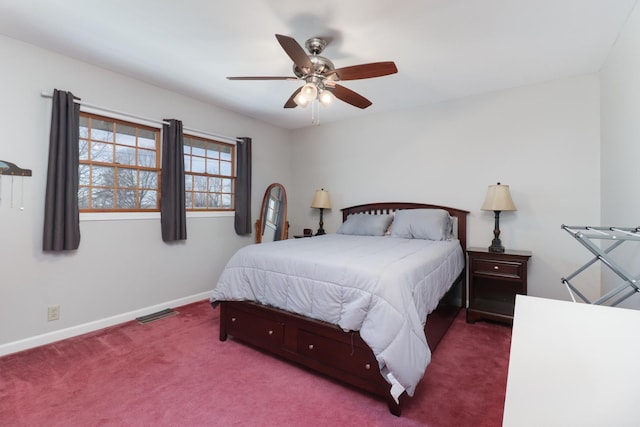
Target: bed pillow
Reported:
point(365, 225)
point(428, 224)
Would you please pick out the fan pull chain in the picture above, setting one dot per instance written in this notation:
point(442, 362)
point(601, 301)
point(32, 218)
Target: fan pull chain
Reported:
point(315, 112)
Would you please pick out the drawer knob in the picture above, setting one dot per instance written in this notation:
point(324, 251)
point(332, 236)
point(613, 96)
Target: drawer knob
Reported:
point(233, 319)
point(270, 332)
point(310, 346)
point(367, 366)
point(495, 267)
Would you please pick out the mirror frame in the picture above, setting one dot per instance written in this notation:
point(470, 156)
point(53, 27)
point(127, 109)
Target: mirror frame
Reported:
point(284, 234)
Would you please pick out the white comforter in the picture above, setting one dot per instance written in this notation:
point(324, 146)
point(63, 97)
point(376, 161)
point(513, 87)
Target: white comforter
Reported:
point(383, 287)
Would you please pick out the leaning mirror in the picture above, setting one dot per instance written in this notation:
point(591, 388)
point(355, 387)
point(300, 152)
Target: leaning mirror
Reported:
point(272, 224)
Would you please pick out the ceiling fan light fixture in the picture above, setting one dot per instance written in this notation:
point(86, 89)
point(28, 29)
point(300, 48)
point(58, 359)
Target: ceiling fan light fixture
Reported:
point(309, 91)
point(301, 100)
point(326, 97)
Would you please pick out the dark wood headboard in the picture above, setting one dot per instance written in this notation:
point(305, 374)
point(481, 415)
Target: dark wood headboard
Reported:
point(389, 207)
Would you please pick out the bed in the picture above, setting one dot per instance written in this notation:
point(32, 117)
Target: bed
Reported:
point(353, 305)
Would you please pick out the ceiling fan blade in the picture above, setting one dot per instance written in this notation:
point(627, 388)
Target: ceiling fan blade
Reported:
point(295, 52)
point(262, 78)
point(351, 97)
point(290, 102)
point(366, 71)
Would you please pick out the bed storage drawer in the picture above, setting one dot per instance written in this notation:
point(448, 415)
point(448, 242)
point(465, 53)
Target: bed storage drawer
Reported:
point(350, 357)
point(253, 328)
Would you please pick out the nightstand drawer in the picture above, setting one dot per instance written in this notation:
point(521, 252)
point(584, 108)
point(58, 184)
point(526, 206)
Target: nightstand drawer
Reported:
point(495, 278)
point(509, 270)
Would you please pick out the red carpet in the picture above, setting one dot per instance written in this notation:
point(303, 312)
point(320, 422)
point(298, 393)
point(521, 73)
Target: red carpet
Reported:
point(175, 372)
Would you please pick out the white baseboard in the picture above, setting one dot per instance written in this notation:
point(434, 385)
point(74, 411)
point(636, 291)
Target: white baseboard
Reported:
point(84, 328)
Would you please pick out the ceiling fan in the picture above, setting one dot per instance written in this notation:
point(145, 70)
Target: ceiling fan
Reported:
point(320, 75)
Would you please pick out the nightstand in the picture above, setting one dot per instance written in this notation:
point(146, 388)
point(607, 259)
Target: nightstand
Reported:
point(494, 280)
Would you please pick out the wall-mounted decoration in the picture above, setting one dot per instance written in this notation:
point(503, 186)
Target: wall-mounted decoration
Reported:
point(8, 168)
point(13, 170)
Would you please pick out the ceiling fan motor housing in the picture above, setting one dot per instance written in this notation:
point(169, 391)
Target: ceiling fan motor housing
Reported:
point(321, 65)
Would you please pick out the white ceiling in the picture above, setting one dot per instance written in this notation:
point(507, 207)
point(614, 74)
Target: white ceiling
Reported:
point(444, 49)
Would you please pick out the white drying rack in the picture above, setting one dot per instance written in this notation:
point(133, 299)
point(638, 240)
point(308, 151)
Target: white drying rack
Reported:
point(585, 235)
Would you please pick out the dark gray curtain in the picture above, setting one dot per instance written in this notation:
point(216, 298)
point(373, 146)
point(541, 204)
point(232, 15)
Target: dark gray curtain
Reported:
point(243, 187)
point(61, 212)
point(173, 217)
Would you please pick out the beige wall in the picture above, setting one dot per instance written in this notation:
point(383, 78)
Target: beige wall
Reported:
point(542, 140)
point(122, 268)
point(621, 148)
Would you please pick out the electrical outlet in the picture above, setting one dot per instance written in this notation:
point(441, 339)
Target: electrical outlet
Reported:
point(54, 313)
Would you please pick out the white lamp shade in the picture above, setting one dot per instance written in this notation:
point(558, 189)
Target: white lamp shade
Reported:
point(301, 100)
point(498, 199)
point(321, 200)
point(309, 91)
point(326, 97)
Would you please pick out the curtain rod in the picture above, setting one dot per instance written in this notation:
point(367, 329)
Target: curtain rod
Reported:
point(160, 122)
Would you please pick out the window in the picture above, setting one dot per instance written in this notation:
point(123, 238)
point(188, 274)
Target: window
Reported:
point(120, 168)
point(119, 165)
point(209, 174)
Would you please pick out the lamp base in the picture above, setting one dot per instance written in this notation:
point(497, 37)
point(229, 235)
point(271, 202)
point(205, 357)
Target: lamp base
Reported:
point(498, 249)
point(496, 246)
point(320, 232)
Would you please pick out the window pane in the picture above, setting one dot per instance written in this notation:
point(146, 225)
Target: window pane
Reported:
point(127, 178)
point(227, 186)
point(187, 145)
point(188, 203)
point(125, 155)
point(197, 164)
point(187, 163)
point(102, 198)
point(188, 182)
point(213, 167)
point(148, 199)
point(149, 179)
point(84, 174)
point(225, 168)
point(225, 153)
point(214, 151)
point(127, 199)
point(101, 152)
point(147, 158)
point(126, 135)
point(199, 200)
point(200, 183)
point(101, 130)
point(147, 139)
point(227, 200)
point(83, 150)
point(83, 198)
point(215, 185)
point(103, 176)
point(198, 148)
point(84, 127)
point(214, 200)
